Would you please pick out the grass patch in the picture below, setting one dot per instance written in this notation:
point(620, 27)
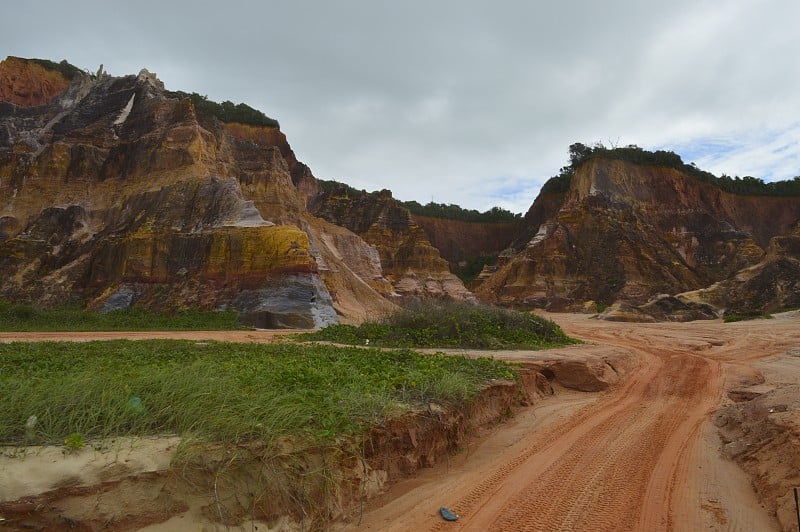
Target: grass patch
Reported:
point(450, 324)
point(25, 318)
point(731, 317)
point(57, 392)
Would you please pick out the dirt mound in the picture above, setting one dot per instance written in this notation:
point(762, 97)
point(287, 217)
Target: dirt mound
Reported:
point(762, 434)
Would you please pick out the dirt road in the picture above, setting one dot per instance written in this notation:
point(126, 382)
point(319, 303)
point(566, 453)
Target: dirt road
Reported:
point(641, 457)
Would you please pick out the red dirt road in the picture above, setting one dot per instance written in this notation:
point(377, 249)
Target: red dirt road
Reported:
point(641, 457)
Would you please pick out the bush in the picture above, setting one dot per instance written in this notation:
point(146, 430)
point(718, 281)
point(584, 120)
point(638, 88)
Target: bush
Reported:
point(455, 212)
point(66, 69)
point(14, 317)
point(731, 317)
point(450, 324)
point(227, 111)
point(434, 210)
point(470, 270)
point(748, 185)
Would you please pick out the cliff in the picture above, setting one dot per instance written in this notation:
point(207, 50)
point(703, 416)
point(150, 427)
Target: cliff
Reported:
point(466, 244)
point(117, 192)
point(412, 265)
point(624, 231)
point(30, 82)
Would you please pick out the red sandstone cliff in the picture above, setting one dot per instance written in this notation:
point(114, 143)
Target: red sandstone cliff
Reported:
point(627, 231)
point(116, 192)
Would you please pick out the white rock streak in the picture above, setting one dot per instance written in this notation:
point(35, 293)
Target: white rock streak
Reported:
point(123, 115)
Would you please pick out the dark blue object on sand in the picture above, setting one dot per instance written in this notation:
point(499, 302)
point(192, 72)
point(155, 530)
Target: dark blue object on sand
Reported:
point(447, 515)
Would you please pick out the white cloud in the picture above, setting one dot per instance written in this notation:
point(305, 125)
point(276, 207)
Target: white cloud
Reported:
point(463, 101)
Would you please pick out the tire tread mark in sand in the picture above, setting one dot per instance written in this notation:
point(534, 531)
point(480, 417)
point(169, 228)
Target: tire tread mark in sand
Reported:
point(603, 474)
point(607, 492)
point(471, 502)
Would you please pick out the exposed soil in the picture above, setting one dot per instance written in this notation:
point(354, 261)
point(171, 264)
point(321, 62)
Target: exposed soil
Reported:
point(640, 454)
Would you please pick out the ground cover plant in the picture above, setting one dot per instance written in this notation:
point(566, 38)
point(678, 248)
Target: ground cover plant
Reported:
point(450, 324)
point(52, 392)
point(22, 318)
point(732, 317)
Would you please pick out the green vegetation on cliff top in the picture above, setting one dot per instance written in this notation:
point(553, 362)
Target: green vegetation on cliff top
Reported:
point(66, 69)
point(580, 153)
point(450, 324)
point(434, 210)
point(52, 391)
point(19, 318)
point(227, 111)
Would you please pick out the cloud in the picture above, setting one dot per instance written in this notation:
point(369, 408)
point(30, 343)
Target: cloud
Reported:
point(462, 101)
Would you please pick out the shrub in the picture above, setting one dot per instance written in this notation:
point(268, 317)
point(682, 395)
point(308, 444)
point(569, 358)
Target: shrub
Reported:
point(66, 69)
point(450, 324)
point(15, 317)
point(227, 111)
point(748, 185)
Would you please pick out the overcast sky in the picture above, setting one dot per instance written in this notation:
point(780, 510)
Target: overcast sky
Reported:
point(465, 102)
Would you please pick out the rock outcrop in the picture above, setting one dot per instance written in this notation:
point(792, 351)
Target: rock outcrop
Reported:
point(29, 82)
point(771, 285)
point(628, 232)
point(461, 241)
point(413, 266)
point(115, 192)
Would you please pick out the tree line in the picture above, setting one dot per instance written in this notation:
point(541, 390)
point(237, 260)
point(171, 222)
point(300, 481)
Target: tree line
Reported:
point(748, 185)
point(448, 211)
point(227, 111)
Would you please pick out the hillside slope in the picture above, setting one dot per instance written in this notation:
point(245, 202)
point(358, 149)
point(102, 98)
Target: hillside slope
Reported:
point(627, 231)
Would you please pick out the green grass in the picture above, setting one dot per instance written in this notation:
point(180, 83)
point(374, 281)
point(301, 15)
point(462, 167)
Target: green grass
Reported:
point(220, 392)
point(25, 318)
point(732, 317)
point(450, 324)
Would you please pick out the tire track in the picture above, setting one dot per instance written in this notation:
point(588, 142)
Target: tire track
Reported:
point(544, 449)
point(599, 483)
point(610, 462)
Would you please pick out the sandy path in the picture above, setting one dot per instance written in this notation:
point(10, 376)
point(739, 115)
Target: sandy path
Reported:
point(641, 457)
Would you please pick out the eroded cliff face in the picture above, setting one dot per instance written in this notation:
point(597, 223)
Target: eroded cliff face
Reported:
point(628, 232)
point(26, 83)
point(116, 192)
point(461, 241)
point(771, 285)
point(413, 266)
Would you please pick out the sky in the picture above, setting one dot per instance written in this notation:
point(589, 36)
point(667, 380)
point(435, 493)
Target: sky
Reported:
point(466, 102)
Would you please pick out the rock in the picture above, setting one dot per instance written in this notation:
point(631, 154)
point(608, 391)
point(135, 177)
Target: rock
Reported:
point(771, 285)
point(412, 265)
point(115, 192)
point(461, 241)
point(664, 307)
point(625, 312)
point(121, 299)
point(627, 232)
point(28, 83)
point(295, 301)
